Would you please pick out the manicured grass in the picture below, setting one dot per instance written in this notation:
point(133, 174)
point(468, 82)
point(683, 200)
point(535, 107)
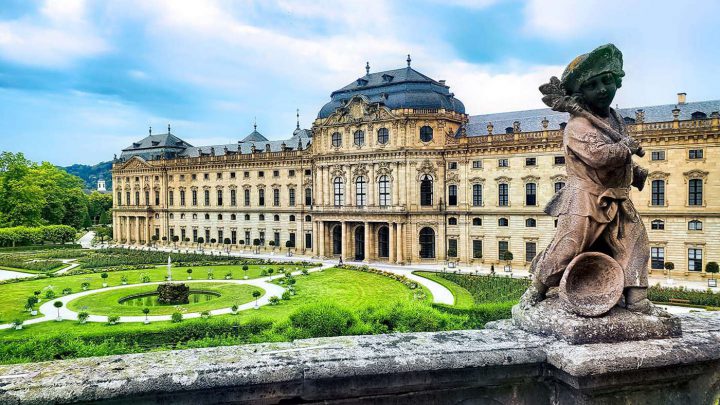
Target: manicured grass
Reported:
point(13, 296)
point(107, 303)
point(463, 298)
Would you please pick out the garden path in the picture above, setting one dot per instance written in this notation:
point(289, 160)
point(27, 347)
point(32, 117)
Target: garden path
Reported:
point(86, 240)
point(8, 275)
point(68, 268)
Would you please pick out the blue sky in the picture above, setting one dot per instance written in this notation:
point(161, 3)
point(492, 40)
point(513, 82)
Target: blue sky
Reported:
point(80, 80)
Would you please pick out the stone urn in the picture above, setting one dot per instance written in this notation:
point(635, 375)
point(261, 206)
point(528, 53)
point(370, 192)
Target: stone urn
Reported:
point(592, 284)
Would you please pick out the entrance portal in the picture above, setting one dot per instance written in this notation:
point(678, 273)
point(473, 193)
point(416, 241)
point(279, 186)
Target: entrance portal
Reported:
point(360, 243)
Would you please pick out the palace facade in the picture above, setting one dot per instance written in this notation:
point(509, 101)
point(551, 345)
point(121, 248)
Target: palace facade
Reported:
point(394, 170)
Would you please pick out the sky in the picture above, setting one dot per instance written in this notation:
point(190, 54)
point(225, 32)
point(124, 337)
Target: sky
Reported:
point(81, 80)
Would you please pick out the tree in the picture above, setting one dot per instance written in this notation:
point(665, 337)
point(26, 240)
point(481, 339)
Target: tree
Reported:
point(245, 270)
point(712, 268)
point(669, 266)
point(256, 294)
point(58, 305)
point(175, 240)
point(98, 205)
point(146, 311)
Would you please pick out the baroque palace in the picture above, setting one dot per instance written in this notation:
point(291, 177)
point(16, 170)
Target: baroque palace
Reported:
point(394, 170)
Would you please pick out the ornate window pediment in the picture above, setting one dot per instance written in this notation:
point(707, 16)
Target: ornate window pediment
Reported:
point(503, 179)
point(246, 186)
point(426, 167)
point(477, 180)
point(206, 187)
point(530, 179)
point(360, 171)
point(337, 171)
point(219, 187)
point(658, 175)
point(453, 178)
point(696, 174)
point(232, 187)
point(559, 177)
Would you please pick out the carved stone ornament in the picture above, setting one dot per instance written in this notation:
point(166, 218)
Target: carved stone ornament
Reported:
point(384, 169)
point(559, 177)
point(477, 180)
point(453, 178)
point(360, 171)
point(427, 167)
point(696, 174)
point(658, 175)
point(503, 179)
point(337, 171)
point(530, 179)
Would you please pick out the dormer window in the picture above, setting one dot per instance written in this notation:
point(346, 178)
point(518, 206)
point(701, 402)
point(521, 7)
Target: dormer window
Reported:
point(387, 78)
point(362, 82)
point(155, 143)
point(698, 115)
point(136, 145)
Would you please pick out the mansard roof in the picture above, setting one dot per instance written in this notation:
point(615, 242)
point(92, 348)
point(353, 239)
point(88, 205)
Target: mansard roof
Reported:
point(300, 140)
point(255, 136)
point(159, 141)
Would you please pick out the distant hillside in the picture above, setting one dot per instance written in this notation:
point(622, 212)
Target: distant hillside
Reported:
point(91, 174)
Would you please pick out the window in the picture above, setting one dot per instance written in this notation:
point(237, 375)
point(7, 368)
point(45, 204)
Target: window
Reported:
point(137, 198)
point(261, 236)
point(695, 225)
point(503, 222)
point(291, 239)
point(531, 223)
point(291, 173)
point(193, 197)
point(657, 193)
point(218, 176)
point(171, 198)
point(503, 163)
point(384, 191)
point(477, 195)
point(530, 251)
point(219, 197)
point(339, 192)
point(182, 216)
point(291, 218)
point(695, 154)
point(233, 217)
point(291, 197)
point(694, 259)
point(359, 137)
point(452, 194)
point(308, 196)
point(233, 236)
point(427, 243)
point(657, 155)
point(452, 165)
point(276, 238)
point(246, 175)
point(182, 177)
point(502, 248)
point(657, 225)
point(382, 136)
point(220, 217)
point(233, 197)
point(426, 190)
point(558, 186)
point(336, 140)
point(530, 161)
point(207, 197)
point(360, 191)
point(261, 174)
point(246, 196)
point(119, 198)
point(695, 192)
point(559, 160)
point(477, 164)
point(276, 218)
point(182, 198)
point(247, 238)
point(147, 197)
point(503, 195)
point(426, 134)
point(157, 197)
point(207, 216)
point(452, 248)
point(206, 176)
point(477, 221)
point(232, 176)
point(308, 240)
point(193, 176)
point(195, 235)
point(657, 258)
point(308, 172)
point(261, 197)
point(452, 221)
point(276, 197)
point(194, 216)
point(530, 194)
point(261, 217)
point(276, 173)
point(247, 217)
point(477, 249)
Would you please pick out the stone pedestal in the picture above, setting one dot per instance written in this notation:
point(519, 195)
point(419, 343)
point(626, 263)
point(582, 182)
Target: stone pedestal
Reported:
point(549, 318)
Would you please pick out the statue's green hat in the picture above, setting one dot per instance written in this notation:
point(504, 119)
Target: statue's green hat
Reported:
point(605, 58)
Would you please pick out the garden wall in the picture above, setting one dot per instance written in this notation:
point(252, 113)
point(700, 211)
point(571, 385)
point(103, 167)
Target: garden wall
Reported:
point(498, 365)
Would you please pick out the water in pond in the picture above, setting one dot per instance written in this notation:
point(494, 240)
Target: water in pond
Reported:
point(151, 300)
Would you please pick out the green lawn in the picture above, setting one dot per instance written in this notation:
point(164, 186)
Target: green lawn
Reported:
point(351, 289)
point(463, 298)
point(107, 303)
point(14, 295)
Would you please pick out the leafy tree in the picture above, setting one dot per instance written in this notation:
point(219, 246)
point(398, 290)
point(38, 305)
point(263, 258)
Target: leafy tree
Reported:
point(712, 268)
point(669, 266)
point(98, 205)
point(256, 294)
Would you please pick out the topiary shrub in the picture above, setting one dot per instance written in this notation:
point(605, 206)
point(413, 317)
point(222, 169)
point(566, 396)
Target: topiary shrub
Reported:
point(176, 317)
point(321, 319)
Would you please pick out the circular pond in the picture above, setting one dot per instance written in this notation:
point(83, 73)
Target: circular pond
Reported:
point(151, 299)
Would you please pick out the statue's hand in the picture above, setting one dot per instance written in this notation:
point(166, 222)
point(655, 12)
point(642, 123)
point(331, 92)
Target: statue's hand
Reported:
point(639, 176)
point(632, 144)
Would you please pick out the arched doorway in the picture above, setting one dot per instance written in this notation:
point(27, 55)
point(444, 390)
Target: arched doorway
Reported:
point(427, 243)
point(337, 240)
point(383, 242)
point(360, 243)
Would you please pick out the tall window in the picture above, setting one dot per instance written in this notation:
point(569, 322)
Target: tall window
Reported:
point(207, 197)
point(119, 198)
point(657, 258)
point(291, 197)
point(694, 259)
point(360, 191)
point(246, 195)
point(359, 137)
point(502, 248)
point(477, 248)
point(426, 133)
point(336, 139)
point(193, 197)
point(276, 197)
point(137, 198)
point(558, 186)
point(382, 136)
point(477, 195)
point(530, 194)
point(171, 198)
point(219, 197)
point(695, 192)
point(530, 251)
point(427, 243)
point(261, 197)
point(339, 192)
point(452, 194)
point(182, 198)
point(426, 190)
point(147, 197)
point(384, 191)
point(452, 248)
point(157, 197)
point(308, 240)
point(503, 195)
point(308, 196)
point(233, 197)
point(657, 192)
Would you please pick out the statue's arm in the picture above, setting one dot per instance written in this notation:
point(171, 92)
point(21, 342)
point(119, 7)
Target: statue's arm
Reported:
point(639, 176)
point(595, 151)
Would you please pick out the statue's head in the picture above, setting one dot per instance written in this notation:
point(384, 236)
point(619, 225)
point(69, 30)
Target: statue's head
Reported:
point(593, 78)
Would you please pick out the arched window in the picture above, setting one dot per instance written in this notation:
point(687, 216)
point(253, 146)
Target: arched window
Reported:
point(360, 191)
point(695, 225)
point(477, 221)
point(427, 243)
point(247, 217)
point(261, 197)
point(509, 130)
point(157, 216)
point(194, 216)
point(382, 136)
point(336, 139)
point(261, 217)
point(426, 190)
point(452, 194)
point(384, 191)
point(383, 242)
point(233, 217)
point(452, 221)
point(359, 137)
point(219, 216)
point(477, 195)
point(207, 216)
point(531, 223)
point(291, 218)
point(172, 216)
point(276, 217)
point(182, 216)
point(426, 133)
point(308, 218)
point(503, 222)
point(339, 191)
point(657, 225)
point(698, 115)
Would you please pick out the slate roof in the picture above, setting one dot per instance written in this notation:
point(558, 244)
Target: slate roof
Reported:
point(398, 88)
point(300, 140)
point(255, 136)
point(531, 120)
point(159, 141)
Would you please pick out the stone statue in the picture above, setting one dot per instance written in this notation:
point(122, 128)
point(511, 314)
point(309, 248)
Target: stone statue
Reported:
point(595, 213)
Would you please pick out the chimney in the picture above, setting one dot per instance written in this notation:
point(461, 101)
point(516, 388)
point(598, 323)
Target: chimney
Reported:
point(681, 98)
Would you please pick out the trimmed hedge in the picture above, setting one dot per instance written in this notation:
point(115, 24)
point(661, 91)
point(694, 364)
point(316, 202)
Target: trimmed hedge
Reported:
point(709, 298)
point(490, 289)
